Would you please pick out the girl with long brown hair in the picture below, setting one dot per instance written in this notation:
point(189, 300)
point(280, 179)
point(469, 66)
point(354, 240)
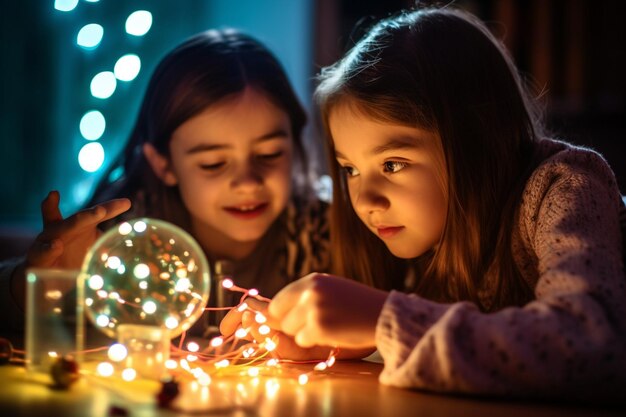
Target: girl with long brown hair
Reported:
point(446, 187)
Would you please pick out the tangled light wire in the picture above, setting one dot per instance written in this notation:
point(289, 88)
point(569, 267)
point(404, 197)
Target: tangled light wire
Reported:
point(225, 356)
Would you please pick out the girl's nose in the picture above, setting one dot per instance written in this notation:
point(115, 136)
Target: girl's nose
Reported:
point(370, 197)
point(247, 178)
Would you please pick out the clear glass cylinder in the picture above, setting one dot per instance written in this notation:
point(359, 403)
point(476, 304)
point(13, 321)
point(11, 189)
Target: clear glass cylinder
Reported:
point(51, 317)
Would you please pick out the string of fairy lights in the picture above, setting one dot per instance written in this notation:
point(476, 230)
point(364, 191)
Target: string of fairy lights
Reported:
point(143, 284)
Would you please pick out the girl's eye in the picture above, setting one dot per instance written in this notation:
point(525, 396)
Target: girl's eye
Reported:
point(394, 166)
point(350, 171)
point(212, 167)
point(270, 156)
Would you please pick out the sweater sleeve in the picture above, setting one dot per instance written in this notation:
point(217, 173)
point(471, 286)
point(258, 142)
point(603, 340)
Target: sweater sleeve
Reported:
point(569, 341)
point(11, 315)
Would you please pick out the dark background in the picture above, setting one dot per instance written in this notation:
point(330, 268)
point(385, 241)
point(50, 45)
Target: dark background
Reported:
point(572, 49)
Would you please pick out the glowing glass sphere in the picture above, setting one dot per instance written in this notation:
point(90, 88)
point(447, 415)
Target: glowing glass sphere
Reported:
point(146, 272)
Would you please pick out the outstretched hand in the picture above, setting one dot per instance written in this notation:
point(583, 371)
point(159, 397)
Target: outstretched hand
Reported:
point(63, 243)
point(322, 309)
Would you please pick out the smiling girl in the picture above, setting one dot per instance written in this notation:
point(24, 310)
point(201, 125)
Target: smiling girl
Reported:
point(217, 149)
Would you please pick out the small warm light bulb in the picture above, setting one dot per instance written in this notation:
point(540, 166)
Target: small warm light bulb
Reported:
point(253, 292)
point(204, 379)
point(242, 307)
point(105, 369)
point(264, 329)
point(227, 283)
point(125, 228)
point(303, 379)
point(141, 271)
point(222, 364)
point(217, 341)
point(171, 364)
point(193, 347)
point(96, 282)
point(321, 366)
point(129, 374)
point(270, 345)
point(113, 262)
point(102, 320)
point(331, 361)
point(254, 371)
point(241, 333)
point(171, 323)
point(149, 307)
point(117, 352)
point(260, 318)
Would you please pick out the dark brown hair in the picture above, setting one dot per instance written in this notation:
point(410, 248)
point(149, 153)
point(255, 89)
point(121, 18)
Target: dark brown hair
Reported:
point(441, 70)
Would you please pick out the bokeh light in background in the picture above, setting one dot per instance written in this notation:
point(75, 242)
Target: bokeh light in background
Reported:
point(91, 157)
point(103, 85)
point(65, 5)
point(127, 67)
point(92, 125)
point(139, 23)
point(89, 36)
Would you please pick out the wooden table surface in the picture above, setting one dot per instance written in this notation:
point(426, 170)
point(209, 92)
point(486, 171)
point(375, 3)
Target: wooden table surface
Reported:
point(348, 389)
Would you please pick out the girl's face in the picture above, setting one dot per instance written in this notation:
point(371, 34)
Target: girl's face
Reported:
point(232, 164)
point(391, 174)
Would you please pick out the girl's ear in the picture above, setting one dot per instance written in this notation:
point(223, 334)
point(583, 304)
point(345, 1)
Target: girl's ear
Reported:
point(160, 165)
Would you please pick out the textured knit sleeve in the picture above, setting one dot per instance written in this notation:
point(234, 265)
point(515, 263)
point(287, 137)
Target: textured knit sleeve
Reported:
point(11, 315)
point(569, 341)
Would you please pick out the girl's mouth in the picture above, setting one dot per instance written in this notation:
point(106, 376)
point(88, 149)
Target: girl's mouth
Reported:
point(389, 232)
point(247, 211)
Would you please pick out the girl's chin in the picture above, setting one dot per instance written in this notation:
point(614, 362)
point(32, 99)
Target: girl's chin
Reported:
point(405, 253)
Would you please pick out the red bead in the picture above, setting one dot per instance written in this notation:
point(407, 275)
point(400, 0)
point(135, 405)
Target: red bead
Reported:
point(64, 372)
point(169, 391)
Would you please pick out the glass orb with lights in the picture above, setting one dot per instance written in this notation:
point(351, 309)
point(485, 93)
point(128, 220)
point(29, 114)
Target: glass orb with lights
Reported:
point(145, 272)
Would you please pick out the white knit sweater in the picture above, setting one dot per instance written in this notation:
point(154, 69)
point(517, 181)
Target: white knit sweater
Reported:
point(570, 342)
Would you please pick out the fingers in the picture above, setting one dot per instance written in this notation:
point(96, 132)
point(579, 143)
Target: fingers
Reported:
point(249, 323)
point(295, 320)
point(230, 323)
point(114, 208)
point(44, 254)
point(50, 212)
point(287, 298)
point(305, 338)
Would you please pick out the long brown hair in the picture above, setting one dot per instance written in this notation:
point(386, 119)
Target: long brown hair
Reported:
point(442, 70)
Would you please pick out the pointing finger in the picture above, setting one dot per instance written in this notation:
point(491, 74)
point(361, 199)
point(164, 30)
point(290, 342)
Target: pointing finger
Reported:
point(50, 212)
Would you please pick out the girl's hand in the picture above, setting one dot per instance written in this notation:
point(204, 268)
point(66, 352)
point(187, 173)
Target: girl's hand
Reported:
point(286, 347)
point(327, 310)
point(63, 243)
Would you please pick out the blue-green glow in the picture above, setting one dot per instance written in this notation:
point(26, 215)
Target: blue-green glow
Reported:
point(138, 23)
point(92, 125)
point(103, 85)
point(89, 36)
